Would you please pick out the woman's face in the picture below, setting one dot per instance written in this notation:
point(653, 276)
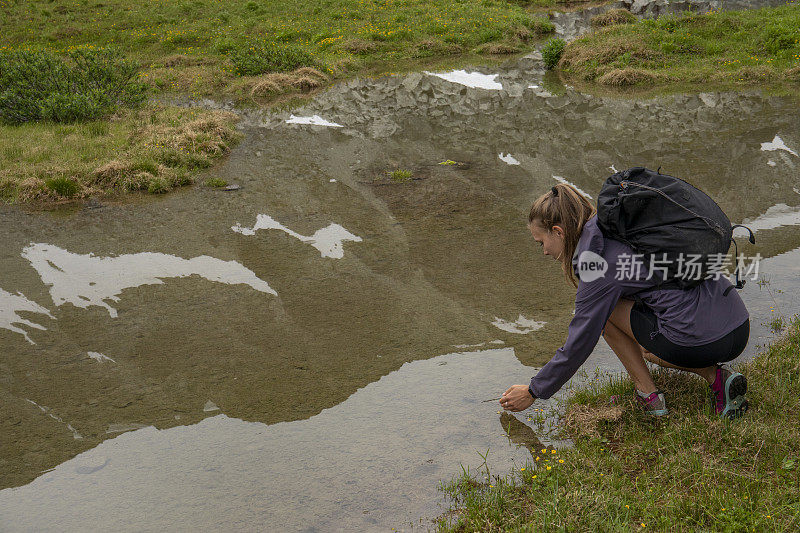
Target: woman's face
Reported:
point(552, 242)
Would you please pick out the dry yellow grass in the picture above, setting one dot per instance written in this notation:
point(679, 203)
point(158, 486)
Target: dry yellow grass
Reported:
point(584, 420)
point(498, 49)
point(793, 74)
point(622, 77)
point(357, 46)
point(304, 79)
point(613, 16)
point(611, 50)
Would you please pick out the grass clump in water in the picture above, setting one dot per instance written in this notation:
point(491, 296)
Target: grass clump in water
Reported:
point(552, 51)
point(400, 175)
point(741, 48)
point(217, 183)
point(688, 471)
point(84, 84)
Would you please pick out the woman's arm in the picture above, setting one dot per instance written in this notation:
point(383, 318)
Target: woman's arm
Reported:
point(594, 303)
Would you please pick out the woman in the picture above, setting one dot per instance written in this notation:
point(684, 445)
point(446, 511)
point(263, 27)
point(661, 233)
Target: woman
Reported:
point(692, 330)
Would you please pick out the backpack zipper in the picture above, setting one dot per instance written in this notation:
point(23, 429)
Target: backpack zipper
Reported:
point(625, 183)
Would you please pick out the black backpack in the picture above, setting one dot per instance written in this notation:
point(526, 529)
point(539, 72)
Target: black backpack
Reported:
point(657, 214)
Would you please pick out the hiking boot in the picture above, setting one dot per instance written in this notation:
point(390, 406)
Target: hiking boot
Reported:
point(654, 404)
point(727, 394)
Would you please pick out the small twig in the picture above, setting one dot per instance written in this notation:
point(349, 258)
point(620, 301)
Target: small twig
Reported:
point(755, 457)
point(492, 400)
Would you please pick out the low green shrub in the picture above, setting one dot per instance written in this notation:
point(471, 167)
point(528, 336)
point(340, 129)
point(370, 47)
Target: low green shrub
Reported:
point(83, 85)
point(253, 60)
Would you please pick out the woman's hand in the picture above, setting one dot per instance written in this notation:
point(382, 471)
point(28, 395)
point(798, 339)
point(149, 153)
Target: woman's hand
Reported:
point(516, 398)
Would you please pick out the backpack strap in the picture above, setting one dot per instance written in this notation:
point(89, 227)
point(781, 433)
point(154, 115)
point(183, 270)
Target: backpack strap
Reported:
point(739, 282)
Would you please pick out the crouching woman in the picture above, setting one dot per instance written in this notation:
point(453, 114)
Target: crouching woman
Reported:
point(693, 330)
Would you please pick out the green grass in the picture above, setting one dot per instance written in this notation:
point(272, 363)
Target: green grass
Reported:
point(735, 49)
point(203, 46)
point(689, 471)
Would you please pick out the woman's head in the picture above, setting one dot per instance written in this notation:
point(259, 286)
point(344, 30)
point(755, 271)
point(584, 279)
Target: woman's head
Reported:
point(556, 221)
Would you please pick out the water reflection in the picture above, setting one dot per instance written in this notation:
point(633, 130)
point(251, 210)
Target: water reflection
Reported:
point(413, 424)
point(86, 280)
point(10, 307)
point(327, 240)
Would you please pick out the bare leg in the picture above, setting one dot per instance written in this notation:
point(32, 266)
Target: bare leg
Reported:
point(709, 373)
point(630, 354)
point(620, 321)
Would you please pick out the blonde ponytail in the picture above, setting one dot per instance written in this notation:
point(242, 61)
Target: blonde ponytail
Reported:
point(563, 206)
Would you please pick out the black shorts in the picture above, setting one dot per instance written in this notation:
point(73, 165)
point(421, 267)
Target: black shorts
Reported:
point(728, 348)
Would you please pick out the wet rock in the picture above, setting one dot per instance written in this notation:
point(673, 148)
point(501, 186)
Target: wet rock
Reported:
point(93, 203)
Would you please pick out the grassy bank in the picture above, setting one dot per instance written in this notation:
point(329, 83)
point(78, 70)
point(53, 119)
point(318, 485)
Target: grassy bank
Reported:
point(253, 50)
point(735, 49)
point(690, 471)
point(153, 149)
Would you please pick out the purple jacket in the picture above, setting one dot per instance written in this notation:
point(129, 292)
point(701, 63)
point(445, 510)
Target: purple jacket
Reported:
point(686, 317)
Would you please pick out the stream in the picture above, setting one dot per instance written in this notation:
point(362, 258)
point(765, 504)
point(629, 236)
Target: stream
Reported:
point(313, 351)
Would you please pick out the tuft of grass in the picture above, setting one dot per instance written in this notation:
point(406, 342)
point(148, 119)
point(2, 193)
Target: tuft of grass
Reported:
point(552, 51)
point(304, 79)
point(688, 471)
point(216, 182)
point(498, 49)
point(62, 186)
point(157, 186)
point(777, 324)
point(735, 48)
point(400, 175)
